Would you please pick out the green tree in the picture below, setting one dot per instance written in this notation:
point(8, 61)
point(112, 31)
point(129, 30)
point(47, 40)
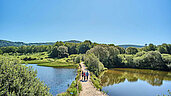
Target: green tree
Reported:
point(54, 52)
point(72, 48)
point(100, 52)
point(93, 64)
point(84, 46)
point(1, 51)
point(77, 59)
point(151, 60)
point(62, 52)
point(108, 55)
point(161, 49)
point(59, 43)
point(121, 49)
point(131, 50)
point(19, 80)
point(113, 60)
point(59, 52)
point(150, 47)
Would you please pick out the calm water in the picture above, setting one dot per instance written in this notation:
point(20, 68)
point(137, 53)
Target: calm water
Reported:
point(57, 79)
point(135, 82)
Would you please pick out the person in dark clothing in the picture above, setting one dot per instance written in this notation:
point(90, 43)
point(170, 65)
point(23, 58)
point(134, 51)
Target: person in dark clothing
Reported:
point(82, 75)
point(87, 75)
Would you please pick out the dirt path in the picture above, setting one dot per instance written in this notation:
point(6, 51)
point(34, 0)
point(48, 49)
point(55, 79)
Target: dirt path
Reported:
point(88, 88)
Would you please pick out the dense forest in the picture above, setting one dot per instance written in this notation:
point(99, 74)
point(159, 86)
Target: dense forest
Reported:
point(97, 57)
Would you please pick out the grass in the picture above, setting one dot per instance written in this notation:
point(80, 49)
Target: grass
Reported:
point(95, 81)
point(56, 64)
point(43, 60)
point(63, 62)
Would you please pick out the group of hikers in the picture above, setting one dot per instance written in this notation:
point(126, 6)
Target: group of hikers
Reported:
point(85, 75)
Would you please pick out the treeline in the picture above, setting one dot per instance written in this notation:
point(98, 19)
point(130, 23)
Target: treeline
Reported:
point(25, 49)
point(5, 43)
point(164, 48)
point(59, 49)
point(148, 57)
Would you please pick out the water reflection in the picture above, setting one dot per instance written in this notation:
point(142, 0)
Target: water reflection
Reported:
point(118, 75)
point(57, 79)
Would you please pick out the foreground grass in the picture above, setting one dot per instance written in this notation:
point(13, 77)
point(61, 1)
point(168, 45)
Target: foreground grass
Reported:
point(96, 81)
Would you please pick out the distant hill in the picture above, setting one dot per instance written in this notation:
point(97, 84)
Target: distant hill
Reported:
point(72, 41)
point(126, 46)
point(4, 43)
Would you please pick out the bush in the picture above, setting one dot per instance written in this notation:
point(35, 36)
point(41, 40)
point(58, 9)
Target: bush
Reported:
point(151, 60)
point(166, 58)
point(95, 81)
point(16, 79)
point(108, 55)
point(77, 59)
point(139, 54)
point(93, 64)
point(1, 51)
point(59, 52)
point(131, 50)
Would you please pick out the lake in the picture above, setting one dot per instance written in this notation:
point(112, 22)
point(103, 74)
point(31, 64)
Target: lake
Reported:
point(57, 79)
point(135, 82)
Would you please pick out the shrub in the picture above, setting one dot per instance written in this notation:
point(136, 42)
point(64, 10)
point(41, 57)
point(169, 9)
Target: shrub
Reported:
point(95, 81)
point(151, 60)
point(77, 59)
point(59, 52)
point(108, 55)
point(131, 50)
point(93, 64)
point(139, 54)
point(17, 79)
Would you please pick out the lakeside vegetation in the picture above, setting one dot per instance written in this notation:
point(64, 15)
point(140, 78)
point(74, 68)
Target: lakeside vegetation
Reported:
point(148, 57)
point(97, 57)
point(17, 79)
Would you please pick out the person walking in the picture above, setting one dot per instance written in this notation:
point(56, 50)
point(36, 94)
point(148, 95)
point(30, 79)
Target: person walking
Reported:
point(84, 76)
point(87, 75)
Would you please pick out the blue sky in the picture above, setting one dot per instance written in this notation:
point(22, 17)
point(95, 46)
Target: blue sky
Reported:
point(102, 21)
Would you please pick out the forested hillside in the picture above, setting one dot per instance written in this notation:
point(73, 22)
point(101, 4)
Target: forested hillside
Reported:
point(5, 43)
point(126, 46)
